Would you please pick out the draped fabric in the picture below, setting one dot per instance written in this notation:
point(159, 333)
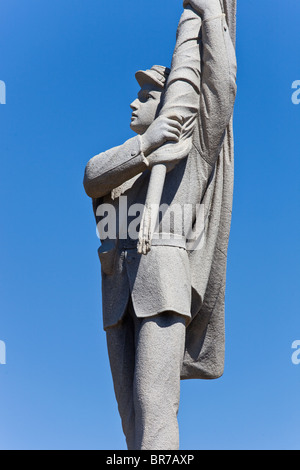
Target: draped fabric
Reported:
point(205, 338)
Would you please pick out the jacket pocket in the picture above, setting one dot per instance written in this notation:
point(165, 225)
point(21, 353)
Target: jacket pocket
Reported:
point(107, 255)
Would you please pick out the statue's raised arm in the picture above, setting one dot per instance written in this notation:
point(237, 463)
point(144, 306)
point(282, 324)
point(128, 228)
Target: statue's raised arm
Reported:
point(202, 82)
point(201, 89)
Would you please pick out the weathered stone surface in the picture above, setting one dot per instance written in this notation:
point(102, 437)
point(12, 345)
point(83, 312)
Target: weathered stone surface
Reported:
point(163, 296)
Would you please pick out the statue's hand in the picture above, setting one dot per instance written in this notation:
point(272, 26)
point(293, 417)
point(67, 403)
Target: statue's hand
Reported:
point(170, 154)
point(205, 8)
point(163, 129)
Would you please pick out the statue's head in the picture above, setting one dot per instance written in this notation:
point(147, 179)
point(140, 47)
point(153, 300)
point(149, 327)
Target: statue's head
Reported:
point(147, 105)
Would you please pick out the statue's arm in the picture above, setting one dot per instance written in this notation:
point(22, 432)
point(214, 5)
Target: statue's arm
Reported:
point(110, 169)
point(182, 96)
point(202, 84)
point(218, 86)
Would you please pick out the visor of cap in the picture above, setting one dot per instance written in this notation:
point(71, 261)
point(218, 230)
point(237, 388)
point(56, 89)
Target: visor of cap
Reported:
point(150, 76)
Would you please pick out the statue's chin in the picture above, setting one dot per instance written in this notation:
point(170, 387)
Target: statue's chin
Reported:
point(135, 128)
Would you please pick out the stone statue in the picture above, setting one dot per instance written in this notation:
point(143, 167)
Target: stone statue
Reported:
point(163, 296)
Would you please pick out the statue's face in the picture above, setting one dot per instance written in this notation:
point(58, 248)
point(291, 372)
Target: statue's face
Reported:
point(145, 108)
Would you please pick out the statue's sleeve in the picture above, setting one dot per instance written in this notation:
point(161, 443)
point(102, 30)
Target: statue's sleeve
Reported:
point(110, 169)
point(218, 88)
point(182, 94)
point(201, 87)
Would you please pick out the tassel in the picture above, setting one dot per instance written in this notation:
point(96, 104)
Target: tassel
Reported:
point(151, 209)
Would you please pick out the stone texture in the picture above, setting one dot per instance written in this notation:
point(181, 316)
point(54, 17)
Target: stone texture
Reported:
point(164, 312)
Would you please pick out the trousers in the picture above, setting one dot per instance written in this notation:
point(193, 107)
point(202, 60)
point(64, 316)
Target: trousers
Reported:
point(146, 357)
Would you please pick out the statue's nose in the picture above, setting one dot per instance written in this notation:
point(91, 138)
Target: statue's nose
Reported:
point(134, 105)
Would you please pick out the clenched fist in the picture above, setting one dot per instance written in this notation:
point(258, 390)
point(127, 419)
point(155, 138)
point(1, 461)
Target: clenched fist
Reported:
point(163, 129)
point(205, 8)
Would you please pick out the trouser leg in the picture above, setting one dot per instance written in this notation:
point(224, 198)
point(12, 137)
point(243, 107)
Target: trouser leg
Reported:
point(160, 342)
point(121, 351)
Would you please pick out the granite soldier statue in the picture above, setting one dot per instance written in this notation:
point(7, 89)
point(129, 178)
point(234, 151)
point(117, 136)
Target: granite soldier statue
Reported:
point(163, 306)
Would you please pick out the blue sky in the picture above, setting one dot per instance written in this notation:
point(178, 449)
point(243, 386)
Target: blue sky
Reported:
point(69, 71)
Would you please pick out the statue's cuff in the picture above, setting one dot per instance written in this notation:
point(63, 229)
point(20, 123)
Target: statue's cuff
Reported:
point(142, 155)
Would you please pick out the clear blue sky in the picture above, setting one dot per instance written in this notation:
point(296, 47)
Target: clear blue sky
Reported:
point(69, 70)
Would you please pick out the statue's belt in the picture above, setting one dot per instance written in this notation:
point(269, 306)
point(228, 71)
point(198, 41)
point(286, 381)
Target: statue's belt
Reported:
point(157, 240)
point(109, 248)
